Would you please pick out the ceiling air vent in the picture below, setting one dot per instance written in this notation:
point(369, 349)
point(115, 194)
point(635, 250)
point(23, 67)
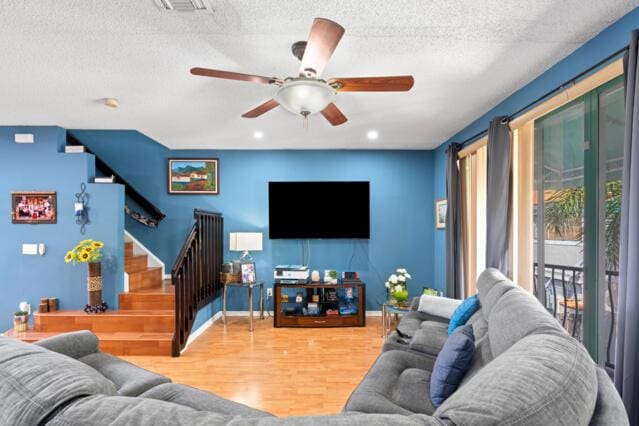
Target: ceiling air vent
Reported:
point(184, 5)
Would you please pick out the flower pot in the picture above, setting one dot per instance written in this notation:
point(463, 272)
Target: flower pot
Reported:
point(94, 289)
point(20, 323)
point(400, 296)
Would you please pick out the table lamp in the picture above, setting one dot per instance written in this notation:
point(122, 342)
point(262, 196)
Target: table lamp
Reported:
point(245, 242)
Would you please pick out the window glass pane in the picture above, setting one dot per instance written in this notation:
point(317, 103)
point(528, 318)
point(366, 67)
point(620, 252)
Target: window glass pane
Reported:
point(559, 141)
point(611, 133)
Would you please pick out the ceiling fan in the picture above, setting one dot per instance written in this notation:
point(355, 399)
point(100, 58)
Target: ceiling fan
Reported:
point(307, 93)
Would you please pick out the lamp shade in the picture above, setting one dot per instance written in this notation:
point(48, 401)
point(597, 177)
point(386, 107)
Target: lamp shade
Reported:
point(245, 241)
point(305, 96)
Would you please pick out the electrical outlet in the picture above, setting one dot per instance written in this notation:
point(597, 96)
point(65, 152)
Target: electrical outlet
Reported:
point(269, 292)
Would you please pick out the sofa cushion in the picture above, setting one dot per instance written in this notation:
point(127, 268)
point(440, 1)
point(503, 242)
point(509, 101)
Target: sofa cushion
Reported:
point(120, 410)
point(397, 383)
point(516, 315)
point(542, 379)
point(200, 400)
point(413, 320)
point(491, 285)
point(481, 358)
point(479, 323)
point(452, 363)
point(442, 307)
point(35, 382)
point(129, 379)
point(429, 339)
point(463, 313)
point(609, 409)
point(75, 344)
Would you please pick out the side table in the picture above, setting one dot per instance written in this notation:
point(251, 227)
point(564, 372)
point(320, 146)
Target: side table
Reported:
point(250, 287)
point(389, 309)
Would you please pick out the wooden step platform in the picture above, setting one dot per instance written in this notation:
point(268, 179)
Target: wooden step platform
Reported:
point(144, 279)
point(135, 263)
point(152, 298)
point(128, 321)
point(116, 343)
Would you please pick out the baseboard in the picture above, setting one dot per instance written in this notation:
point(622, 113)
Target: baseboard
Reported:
point(201, 329)
point(373, 313)
point(167, 276)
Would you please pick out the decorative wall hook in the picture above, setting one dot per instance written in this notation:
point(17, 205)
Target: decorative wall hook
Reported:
point(81, 208)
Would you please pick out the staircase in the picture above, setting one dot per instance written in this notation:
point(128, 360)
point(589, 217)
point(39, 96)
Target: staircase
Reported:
point(144, 324)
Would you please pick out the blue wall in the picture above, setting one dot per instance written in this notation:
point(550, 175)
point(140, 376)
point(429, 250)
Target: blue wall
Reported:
point(613, 38)
point(402, 205)
point(43, 166)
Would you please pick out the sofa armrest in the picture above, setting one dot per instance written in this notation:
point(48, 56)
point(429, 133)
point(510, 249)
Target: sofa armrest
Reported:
point(437, 306)
point(76, 344)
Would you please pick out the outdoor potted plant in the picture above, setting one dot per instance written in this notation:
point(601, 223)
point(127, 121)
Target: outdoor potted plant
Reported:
point(90, 252)
point(20, 321)
point(396, 286)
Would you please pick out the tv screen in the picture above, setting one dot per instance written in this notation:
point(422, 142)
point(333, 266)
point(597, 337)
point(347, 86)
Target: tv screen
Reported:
point(307, 210)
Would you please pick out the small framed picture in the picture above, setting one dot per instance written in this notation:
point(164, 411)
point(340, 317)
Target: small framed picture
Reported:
point(248, 273)
point(440, 213)
point(194, 176)
point(33, 207)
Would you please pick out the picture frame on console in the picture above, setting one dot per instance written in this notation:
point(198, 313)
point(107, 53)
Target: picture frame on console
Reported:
point(441, 206)
point(248, 273)
point(193, 176)
point(34, 207)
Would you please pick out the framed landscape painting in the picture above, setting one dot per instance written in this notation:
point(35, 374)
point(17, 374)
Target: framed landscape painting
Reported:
point(194, 176)
point(440, 213)
point(33, 207)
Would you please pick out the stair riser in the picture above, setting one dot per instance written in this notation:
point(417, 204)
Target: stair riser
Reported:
point(135, 263)
point(138, 347)
point(142, 301)
point(100, 323)
point(128, 249)
point(145, 279)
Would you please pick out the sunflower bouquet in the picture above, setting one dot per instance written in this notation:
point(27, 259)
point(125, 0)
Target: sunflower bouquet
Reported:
point(86, 251)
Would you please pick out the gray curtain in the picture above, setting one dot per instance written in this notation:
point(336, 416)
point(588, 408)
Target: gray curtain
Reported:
point(454, 255)
point(627, 354)
point(498, 190)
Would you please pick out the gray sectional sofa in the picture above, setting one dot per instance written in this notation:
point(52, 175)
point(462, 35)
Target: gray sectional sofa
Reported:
point(526, 370)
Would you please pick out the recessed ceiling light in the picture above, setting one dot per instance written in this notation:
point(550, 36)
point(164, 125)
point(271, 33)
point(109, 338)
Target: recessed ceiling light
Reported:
point(372, 135)
point(111, 103)
point(258, 135)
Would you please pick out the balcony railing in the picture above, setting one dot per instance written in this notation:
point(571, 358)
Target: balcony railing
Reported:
point(564, 299)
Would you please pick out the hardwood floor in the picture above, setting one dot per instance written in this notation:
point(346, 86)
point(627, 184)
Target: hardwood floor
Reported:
point(284, 371)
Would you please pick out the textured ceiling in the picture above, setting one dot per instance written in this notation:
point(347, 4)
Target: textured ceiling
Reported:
point(59, 59)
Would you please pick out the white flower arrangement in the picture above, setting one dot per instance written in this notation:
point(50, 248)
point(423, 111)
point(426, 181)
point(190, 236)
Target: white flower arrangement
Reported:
point(397, 284)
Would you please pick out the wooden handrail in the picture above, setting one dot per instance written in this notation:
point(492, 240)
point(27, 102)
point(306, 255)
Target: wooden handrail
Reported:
point(196, 272)
point(129, 190)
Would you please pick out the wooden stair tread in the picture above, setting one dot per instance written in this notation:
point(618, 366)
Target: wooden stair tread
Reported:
point(34, 336)
point(121, 313)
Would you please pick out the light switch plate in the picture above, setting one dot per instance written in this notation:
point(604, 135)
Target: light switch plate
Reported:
point(24, 138)
point(30, 249)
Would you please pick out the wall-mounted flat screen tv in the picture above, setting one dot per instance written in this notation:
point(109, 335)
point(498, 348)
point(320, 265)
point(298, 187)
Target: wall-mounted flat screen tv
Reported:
point(309, 210)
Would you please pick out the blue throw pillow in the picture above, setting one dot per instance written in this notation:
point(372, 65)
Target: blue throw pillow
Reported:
point(451, 364)
point(463, 313)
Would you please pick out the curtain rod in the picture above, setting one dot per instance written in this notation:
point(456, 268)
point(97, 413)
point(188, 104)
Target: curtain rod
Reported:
point(552, 92)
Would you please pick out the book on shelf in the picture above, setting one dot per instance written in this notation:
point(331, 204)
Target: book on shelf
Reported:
point(74, 148)
point(104, 179)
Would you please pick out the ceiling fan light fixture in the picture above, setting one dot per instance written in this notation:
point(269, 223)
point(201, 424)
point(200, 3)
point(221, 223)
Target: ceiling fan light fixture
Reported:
point(305, 97)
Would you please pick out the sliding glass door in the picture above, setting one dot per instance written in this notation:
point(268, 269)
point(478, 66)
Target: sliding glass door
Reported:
point(578, 154)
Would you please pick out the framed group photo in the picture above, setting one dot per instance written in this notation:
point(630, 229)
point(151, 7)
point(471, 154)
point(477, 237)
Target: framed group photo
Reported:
point(33, 207)
point(248, 273)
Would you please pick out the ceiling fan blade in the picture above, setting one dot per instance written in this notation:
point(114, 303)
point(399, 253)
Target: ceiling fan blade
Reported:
point(321, 43)
point(334, 115)
point(400, 83)
point(206, 72)
point(265, 107)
